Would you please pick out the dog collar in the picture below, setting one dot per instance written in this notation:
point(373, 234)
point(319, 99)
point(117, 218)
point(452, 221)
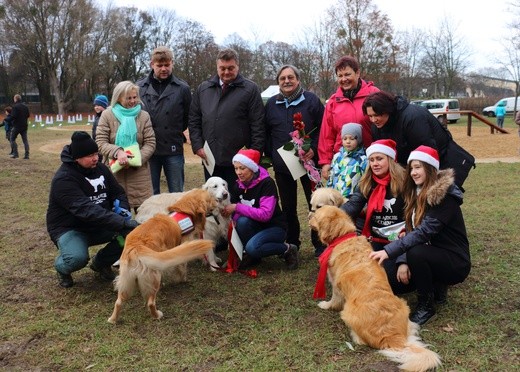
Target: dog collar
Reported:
point(320, 290)
point(184, 221)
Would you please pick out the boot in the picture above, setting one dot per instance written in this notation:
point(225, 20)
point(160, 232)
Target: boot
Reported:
point(425, 310)
point(440, 293)
point(65, 280)
point(105, 272)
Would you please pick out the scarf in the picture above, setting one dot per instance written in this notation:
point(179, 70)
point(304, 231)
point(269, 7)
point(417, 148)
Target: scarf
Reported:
point(289, 99)
point(127, 132)
point(320, 290)
point(375, 201)
point(351, 93)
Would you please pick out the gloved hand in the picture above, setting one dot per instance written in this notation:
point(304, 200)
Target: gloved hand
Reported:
point(121, 211)
point(130, 224)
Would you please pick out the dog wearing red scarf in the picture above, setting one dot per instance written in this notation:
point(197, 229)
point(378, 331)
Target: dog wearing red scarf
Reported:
point(360, 290)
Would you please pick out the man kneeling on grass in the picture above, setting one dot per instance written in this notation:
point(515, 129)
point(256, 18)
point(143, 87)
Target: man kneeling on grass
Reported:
point(84, 202)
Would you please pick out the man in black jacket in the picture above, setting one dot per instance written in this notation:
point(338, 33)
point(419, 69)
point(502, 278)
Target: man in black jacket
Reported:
point(20, 115)
point(227, 112)
point(80, 213)
point(167, 99)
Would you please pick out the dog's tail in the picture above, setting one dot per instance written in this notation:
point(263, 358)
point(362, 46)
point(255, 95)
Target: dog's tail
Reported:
point(172, 257)
point(415, 356)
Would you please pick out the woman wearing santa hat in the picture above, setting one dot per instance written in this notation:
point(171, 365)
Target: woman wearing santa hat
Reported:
point(436, 243)
point(258, 218)
point(380, 189)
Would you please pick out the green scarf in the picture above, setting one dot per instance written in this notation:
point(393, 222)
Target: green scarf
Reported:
point(127, 132)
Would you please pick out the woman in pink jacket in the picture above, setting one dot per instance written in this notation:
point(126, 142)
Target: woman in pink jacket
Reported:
point(343, 107)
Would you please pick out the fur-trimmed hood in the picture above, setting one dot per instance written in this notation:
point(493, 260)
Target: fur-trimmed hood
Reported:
point(443, 186)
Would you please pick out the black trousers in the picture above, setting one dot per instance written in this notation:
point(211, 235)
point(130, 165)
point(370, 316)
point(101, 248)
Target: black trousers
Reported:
point(287, 188)
point(429, 264)
point(224, 172)
point(23, 133)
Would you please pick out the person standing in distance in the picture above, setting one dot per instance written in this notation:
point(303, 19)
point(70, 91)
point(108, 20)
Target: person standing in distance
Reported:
point(226, 111)
point(20, 115)
point(167, 99)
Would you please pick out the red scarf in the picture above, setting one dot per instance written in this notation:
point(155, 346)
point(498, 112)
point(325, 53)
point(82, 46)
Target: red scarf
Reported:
point(320, 290)
point(375, 201)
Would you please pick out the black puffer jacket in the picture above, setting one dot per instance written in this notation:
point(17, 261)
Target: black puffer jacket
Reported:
point(443, 224)
point(82, 199)
point(228, 122)
point(410, 127)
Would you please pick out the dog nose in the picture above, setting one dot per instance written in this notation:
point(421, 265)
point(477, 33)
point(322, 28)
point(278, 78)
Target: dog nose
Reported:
point(225, 196)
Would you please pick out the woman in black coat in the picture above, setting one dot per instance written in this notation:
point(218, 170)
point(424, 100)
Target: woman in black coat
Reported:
point(411, 126)
point(436, 243)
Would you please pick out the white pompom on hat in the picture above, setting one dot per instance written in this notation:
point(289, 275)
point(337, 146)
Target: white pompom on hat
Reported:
point(425, 154)
point(384, 146)
point(249, 157)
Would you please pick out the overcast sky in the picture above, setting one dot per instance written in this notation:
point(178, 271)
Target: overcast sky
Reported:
point(481, 23)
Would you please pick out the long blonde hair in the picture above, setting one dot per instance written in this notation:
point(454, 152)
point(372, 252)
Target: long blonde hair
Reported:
point(414, 202)
point(397, 179)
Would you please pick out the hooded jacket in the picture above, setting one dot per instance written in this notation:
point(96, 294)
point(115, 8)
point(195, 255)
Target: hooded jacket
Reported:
point(341, 110)
point(227, 121)
point(82, 199)
point(410, 127)
point(442, 226)
point(169, 112)
point(258, 200)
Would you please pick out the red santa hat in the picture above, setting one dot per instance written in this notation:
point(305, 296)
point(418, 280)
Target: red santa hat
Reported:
point(249, 157)
point(384, 146)
point(425, 154)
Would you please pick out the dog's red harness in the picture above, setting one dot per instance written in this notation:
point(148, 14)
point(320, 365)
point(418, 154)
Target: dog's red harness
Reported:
point(184, 221)
point(320, 291)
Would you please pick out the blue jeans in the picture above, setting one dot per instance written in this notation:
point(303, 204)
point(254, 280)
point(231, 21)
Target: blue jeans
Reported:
point(173, 170)
point(73, 247)
point(259, 241)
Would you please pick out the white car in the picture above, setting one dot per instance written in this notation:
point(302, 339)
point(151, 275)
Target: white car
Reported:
point(438, 107)
point(509, 103)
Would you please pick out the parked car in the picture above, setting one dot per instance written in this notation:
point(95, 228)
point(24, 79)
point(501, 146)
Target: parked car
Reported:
point(438, 107)
point(416, 102)
point(509, 103)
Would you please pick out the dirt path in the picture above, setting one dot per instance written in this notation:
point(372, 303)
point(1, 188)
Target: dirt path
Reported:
point(486, 147)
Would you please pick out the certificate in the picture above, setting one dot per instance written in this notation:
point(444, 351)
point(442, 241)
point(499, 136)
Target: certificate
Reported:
point(209, 163)
point(293, 163)
point(237, 243)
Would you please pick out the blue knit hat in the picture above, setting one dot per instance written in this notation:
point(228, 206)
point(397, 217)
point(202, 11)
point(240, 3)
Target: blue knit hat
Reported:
point(101, 100)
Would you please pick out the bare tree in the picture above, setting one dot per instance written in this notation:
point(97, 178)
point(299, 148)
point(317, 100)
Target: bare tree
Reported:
point(410, 53)
point(446, 58)
point(365, 33)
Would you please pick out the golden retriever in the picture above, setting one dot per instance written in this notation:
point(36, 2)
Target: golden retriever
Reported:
point(155, 246)
point(216, 228)
point(325, 196)
point(362, 293)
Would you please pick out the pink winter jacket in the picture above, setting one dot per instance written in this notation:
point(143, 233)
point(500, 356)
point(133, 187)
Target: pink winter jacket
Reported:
point(338, 111)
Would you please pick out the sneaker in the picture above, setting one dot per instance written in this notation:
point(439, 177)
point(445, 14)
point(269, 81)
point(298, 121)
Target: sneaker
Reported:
point(291, 257)
point(26, 157)
point(105, 271)
point(65, 280)
point(13, 156)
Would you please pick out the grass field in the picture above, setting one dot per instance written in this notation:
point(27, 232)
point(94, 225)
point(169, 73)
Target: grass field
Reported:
point(221, 322)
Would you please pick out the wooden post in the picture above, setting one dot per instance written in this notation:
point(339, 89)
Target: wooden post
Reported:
point(469, 124)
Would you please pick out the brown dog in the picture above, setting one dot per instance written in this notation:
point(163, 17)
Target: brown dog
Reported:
point(362, 293)
point(153, 247)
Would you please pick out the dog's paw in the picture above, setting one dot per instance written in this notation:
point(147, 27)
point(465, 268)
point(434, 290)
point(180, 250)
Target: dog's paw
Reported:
point(218, 259)
point(111, 320)
point(325, 305)
point(159, 315)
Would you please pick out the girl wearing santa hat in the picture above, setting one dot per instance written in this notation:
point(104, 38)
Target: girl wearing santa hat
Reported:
point(380, 189)
point(257, 215)
point(436, 243)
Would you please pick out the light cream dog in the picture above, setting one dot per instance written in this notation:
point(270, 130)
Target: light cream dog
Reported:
point(216, 228)
point(362, 293)
point(325, 196)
